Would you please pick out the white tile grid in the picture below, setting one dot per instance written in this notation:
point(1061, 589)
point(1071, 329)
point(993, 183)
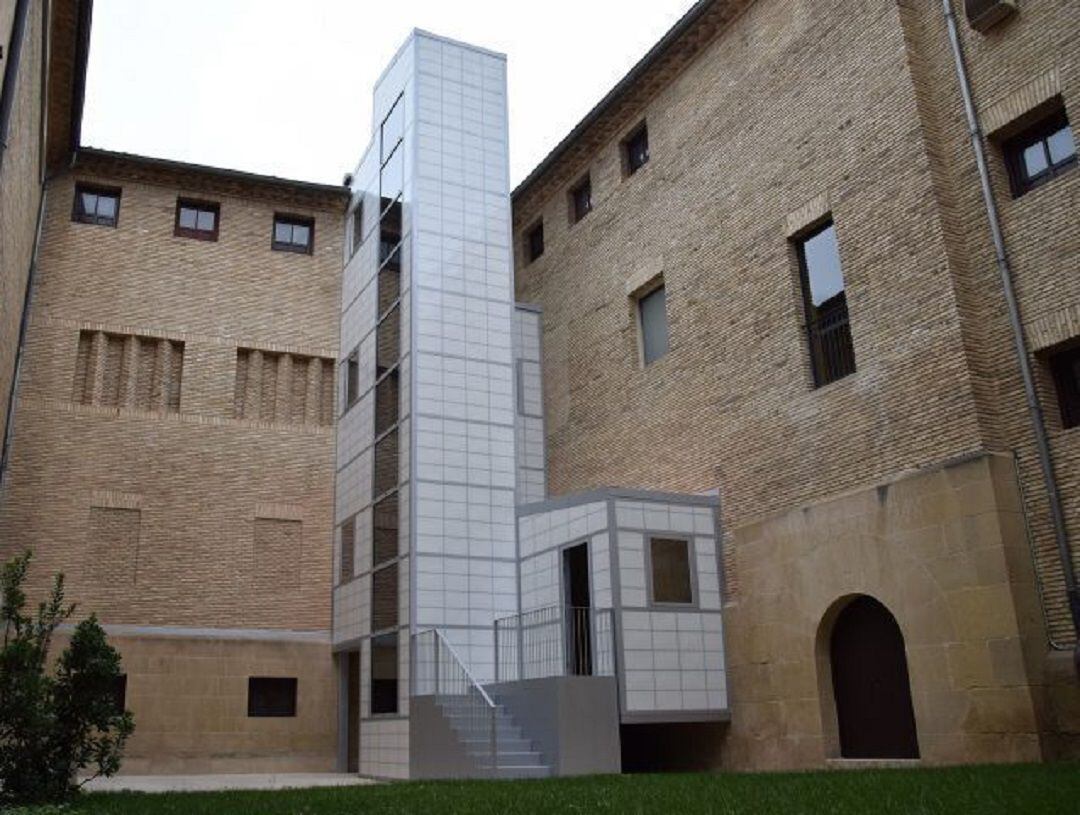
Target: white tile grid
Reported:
point(349, 611)
point(358, 318)
point(469, 390)
point(356, 428)
point(707, 574)
point(353, 487)
point(632, 568)
point(384, 748)
point(674, 661)
point(475, 453)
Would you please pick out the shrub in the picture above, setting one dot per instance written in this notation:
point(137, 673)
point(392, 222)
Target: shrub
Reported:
point(54, 725)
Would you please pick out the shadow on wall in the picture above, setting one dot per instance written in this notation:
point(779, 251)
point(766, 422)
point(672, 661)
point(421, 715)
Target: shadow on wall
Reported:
point(689, 747)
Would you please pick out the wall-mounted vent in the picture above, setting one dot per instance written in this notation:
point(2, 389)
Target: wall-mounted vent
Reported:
point(985, 14)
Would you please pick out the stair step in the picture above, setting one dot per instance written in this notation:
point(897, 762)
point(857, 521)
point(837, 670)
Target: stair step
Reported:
point(535, 771)
point(512, 759)
point(521, 745)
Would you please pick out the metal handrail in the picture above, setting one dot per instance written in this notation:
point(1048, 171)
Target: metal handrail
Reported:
point(464, 667)
point(555, 641)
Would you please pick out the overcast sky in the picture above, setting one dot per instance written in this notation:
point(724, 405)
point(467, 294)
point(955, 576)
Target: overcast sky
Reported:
point(283, 87)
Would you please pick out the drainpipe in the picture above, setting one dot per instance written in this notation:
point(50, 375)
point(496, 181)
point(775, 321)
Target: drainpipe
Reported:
point(1038, 423)
point(11, 72)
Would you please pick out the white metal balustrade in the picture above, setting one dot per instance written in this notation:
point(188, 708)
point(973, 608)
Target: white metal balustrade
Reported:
point(555, 641)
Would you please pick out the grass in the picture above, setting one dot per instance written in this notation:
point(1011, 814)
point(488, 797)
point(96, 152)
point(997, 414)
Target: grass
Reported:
point(1030, 788)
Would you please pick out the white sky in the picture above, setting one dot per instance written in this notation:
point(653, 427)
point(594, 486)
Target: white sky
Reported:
point(283, 87)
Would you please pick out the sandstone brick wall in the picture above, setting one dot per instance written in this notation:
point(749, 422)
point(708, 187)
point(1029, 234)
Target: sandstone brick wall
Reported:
point(20, 187)
point(183, 509)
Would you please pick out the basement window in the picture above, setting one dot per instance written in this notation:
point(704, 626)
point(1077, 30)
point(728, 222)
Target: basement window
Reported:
point(197, 219)
point(271, 696)
point(581, 203)
point(832, 354)
point(1041, 152)
point(293, 233)
point(636, 150)
point(96, 205)
point(652, 320)
point(534, 242)
point(671, 571)
point(1065, 367)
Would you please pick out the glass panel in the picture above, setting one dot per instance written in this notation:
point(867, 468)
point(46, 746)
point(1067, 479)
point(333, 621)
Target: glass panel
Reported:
point(386, 463)
point(654, 330)
point(205, 221)
point(385, 530)
point(393, 128)
point(88, 203)
point(1035, 160)
point(384, 674)
point(187, 218)
point(301, 235)
point(1062, 146)
point(106, 207)
point(671, 571)
point(392, 177)
point(821, 254)
point(282, 232)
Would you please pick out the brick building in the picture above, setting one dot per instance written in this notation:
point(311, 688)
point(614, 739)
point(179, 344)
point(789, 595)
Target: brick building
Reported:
point(755, 288)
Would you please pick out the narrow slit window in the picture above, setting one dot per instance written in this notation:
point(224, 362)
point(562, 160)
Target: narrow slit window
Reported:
point(832, 353)
point(357, 226)
point(581, 202)
point(348, 549)
point(1065, 367)
point(534, 242)
point(652, 316)
point(637, 150)
point(352, 379)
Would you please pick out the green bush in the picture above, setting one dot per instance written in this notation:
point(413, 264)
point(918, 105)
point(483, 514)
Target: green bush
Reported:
point(54, 725)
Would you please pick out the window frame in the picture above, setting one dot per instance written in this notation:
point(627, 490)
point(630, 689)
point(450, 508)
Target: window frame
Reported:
point(356, 221)
point(396, 710)
point(691, 566)
point(1038, 132)
point(77, 214)
point(254, 711)
point(351, 393)
point(292, 220)
point(818, 369)
point(1066, 387)
point(531, 255)
point(583, 184)
point(639, 301)
point(629, 167)
point(199, 205)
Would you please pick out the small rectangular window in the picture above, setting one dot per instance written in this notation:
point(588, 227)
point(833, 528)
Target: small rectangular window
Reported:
point(348, 551)
point(581, 199)
point(357, 226)
point(197, 219)
point(384, 674)
point(271, 696)
point(652, 315)
point(832, 353)
point(1065, 367)
point(293, 233)
point(352, 379)
point(96, 205)
point(534, 242)
point(1040, 152)
point(637, 150)
point(119, 693)
point(670, 559)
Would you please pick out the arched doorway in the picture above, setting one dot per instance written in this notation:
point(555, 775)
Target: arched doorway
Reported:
point(874, 715)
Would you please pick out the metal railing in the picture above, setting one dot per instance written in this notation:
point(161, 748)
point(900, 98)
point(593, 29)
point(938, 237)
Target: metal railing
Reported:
point(555, 641)
point(438, 671)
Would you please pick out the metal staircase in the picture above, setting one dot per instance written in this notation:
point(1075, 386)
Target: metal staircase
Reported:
point(486, 732)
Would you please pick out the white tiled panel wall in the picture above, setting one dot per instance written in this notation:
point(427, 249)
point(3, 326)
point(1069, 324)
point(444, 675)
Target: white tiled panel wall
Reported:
point(529, 409)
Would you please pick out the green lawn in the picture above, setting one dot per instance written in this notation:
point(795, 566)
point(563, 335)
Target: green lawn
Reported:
point(1053, 788)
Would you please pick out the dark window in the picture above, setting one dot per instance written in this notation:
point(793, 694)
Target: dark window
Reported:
point(652, 313)
point(1065, 366)
point(670, 571)
point(581, 199)
point(352, 379)
point(385, 530)
point(119, 693)
point(832, 354)
point(1042, 151)
point(348, 544)
point(293, 233)
point(197, 219)
point(271, 696)
point(96, 205)
point(384, 674)
point(534, 242)
point(357, 226)
point(637, 150)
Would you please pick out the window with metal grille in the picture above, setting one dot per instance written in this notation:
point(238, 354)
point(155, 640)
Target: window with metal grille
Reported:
point(348, 549)
point(671, 581)
point(581, 199)
point(636, 149)
point(1041, 152)
point(1065, 367)
point(832, 354)
point(271, 696)
point(197, 219)
point(534, 242)
point(293, 233)
point(96, 205)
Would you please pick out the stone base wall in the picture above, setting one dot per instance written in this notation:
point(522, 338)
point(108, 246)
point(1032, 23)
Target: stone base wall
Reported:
point(189, 699)
point(946, 551)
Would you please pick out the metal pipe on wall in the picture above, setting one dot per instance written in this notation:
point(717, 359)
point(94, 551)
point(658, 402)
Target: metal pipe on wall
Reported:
point(1038, 421)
